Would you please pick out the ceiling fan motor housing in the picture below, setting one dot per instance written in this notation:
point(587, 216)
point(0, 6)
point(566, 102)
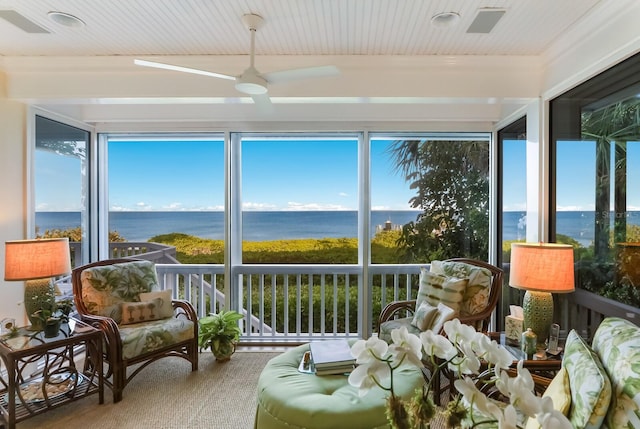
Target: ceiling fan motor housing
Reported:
point(250, 82)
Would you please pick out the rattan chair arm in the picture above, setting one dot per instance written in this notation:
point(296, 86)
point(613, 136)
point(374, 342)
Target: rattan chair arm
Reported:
point(390, 310)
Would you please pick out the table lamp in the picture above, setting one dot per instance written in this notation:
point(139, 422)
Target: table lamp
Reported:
point(541, 269)
point(36, 261)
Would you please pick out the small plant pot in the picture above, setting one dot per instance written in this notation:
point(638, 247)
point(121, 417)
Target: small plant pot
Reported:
point(52, 328)
point(223, 350)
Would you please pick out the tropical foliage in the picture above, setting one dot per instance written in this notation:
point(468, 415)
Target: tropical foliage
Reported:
point(451, 179)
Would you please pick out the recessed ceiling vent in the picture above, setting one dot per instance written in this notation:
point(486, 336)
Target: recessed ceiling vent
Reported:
point(485, 20)
point(13, 17)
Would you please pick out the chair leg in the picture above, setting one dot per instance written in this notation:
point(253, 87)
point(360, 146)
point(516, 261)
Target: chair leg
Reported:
point(119, 376)
point(193, 353)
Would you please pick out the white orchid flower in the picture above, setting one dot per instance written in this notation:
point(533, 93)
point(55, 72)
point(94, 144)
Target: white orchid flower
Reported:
point(524, 377)
point(437, 345)
point(369, 375)
point(467, 388)
point(523, 398)
point(458, 332)
point(496, 354)
point(502, 381)
point(370, 350)
point(550, 418)
point(508, 418)
point(406, 347)
point(468, 362)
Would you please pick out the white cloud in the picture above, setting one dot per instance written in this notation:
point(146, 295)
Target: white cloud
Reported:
point(119, 209)
point(258, 206)
point(574, 208)
point(292, 206)
point(172, 206)
point(343, 194)
point(515, 207)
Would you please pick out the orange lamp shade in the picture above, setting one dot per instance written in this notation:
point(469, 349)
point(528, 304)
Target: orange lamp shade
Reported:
point(542, 267)
point(36, 259)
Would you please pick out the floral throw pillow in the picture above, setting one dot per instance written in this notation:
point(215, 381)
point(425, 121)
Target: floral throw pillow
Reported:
point(589, 383)
point(436, 288)
point(476, 295)
point(616, 342)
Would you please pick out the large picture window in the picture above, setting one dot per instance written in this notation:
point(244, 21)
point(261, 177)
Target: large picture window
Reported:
point(300, 199)
point(168, 189)
point(595, 131)
point(60, 184)
point(445, 189)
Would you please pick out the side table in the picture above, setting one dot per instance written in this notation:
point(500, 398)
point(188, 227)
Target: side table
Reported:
point(40, 373)
point(545, 368)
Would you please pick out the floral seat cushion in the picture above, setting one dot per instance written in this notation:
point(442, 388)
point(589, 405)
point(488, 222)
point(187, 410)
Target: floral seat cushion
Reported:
point(105, 288)
point(141, 338)
point(390, 325)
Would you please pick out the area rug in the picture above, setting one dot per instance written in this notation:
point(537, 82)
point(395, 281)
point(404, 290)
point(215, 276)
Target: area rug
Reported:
point(167, 394)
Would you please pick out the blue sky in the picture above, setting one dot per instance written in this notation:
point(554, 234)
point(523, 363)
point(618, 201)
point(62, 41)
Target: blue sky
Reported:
point(287, 175)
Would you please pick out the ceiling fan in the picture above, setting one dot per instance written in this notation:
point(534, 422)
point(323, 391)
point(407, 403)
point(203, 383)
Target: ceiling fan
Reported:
point(251, 81)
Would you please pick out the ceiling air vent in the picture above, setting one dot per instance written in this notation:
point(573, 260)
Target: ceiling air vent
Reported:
point(485, 20)
point(13, 17)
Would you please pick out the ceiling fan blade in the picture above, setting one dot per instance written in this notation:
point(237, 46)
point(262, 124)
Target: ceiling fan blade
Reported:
point(303, 73)
point(263, 102)
point(181, 69)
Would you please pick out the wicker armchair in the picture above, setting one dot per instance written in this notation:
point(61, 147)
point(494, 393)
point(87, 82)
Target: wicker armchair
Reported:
point(395, 314)
point(480, 320)
point(107, 296)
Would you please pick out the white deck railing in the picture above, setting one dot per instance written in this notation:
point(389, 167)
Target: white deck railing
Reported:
point(293, 303)
point(324, 301)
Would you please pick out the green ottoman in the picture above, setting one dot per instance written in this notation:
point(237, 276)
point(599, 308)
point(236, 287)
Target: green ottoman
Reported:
point(288, 399)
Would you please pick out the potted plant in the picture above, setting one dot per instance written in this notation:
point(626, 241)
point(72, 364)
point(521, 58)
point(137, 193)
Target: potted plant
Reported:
point(220, 332)
point(50, 321)
point(51, 316)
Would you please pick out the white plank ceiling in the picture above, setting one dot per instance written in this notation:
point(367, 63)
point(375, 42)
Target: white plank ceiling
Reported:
point(291, 27)
point(395, 63)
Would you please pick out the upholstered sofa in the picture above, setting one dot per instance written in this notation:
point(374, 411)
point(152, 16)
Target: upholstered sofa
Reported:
point(604, 379)
point(598, 385)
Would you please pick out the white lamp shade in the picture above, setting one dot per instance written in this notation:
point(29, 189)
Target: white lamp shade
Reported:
point(542, 267)
point(36, 259)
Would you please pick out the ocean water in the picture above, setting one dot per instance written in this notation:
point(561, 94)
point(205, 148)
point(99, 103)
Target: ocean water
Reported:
point(264, 226)
point(257, 226)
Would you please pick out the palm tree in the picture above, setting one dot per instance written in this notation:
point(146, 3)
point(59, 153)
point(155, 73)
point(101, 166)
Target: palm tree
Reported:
point(452, 183)
point(614, 124)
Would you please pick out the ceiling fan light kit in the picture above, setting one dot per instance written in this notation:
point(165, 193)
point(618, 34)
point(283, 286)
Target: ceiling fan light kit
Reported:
point(251, 81)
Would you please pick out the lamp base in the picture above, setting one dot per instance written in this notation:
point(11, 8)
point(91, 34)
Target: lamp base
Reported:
point(538, 314)
point(38, 294)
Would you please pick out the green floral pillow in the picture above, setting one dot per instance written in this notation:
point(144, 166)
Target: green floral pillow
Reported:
point(617, 342)
point(476, 295)
point(105, 287)
point(436, 288)
point(589, 383)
